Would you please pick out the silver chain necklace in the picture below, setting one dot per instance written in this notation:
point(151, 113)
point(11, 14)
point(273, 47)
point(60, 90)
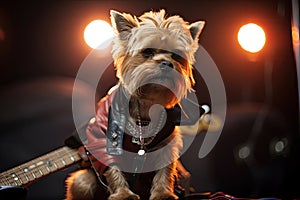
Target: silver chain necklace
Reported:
point(140, 134)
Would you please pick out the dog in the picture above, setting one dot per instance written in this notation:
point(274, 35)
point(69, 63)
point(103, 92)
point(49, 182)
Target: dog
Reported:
point(153, 56)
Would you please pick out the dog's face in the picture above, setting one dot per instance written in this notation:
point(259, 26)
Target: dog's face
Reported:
point(153, 55)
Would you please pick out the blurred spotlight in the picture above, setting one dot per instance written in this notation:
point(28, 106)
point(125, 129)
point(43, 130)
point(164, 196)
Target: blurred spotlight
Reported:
point(98, 34)
point(251, 37)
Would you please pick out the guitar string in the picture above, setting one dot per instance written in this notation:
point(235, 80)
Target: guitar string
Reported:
point(62, 152)
point(17, 171)
point(8, 178)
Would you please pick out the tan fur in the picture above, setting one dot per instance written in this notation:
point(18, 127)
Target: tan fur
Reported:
point(164, 180)
point(81, 185)
point(117, 185)
point(137, 73)
point(163, 183)
point(154, 30)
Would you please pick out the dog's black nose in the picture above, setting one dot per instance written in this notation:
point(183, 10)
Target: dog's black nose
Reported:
point(166, 65)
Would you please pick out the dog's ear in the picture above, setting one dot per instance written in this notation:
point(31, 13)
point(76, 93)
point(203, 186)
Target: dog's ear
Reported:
point(123, 23)
point(196, 28)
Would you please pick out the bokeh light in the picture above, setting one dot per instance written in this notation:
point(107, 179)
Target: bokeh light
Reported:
point(98, 34)
point(251, 37)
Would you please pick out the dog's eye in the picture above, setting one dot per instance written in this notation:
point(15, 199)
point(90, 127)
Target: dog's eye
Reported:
point(179, 56)
point(148, 53)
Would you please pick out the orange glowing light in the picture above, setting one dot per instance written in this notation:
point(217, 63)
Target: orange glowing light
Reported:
point(98, 34)
point(251, 37)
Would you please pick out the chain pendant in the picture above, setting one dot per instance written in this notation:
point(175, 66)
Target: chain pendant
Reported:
point(141, 152)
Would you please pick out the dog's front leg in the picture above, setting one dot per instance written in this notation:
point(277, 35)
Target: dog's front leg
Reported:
point(118, 186)
point(163, 183)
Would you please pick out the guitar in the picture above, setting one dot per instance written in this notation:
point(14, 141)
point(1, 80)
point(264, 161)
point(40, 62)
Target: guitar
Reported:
point(13, 180)
point(42, 166)
point(65, 156)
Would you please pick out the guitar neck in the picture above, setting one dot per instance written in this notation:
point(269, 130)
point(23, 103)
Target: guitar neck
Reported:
point(39, 167)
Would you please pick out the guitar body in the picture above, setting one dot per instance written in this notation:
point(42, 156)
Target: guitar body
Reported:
point(13, 192)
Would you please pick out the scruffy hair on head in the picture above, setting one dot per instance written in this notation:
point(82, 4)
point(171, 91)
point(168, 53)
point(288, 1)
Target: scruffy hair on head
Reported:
point(134, 32)
point(153, 30)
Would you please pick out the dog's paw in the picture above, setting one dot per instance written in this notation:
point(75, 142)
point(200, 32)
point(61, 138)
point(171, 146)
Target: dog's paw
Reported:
point(163, 196)
point(123, 194)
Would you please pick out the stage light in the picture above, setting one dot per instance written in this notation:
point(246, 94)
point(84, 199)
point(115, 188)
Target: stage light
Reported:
point(98, 34)
point(251, 37)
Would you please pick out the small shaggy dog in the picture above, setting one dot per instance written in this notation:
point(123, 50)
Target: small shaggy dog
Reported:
point(133, 142)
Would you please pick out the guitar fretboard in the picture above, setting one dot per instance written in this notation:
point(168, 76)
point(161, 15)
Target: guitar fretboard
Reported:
point(39, 167)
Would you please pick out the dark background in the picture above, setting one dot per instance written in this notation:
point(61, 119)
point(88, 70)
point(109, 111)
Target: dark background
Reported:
point(42, 48)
